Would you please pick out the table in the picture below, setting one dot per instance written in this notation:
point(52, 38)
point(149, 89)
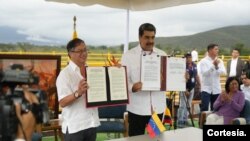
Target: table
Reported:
point(184, 134)
point(54, 125)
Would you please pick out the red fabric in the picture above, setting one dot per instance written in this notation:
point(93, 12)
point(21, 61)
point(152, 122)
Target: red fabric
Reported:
point(150, 131)
point(168, 120)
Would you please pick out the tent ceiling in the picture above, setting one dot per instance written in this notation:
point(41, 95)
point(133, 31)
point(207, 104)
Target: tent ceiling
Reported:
point(135, 5)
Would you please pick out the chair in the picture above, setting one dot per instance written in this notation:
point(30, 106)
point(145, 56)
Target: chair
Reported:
point(194, 102)
point(53, 126)
point(243, 119)
point(112, 120)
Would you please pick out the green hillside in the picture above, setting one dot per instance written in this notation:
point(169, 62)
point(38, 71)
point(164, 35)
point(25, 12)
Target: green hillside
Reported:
point(226, 37)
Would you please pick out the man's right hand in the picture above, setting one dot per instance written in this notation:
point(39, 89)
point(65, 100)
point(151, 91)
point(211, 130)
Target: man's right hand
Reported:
point(137, 87)
point(216, 63)
point(82, 87)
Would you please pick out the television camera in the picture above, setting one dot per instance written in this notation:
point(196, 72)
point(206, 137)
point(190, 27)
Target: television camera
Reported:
point(10, 79)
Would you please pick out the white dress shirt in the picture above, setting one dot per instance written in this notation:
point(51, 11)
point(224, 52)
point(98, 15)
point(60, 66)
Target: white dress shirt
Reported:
point(75, 116)
point(246, 91)
point(194, 54)
point(210, 82)
point(233, 67)
point(140, 102)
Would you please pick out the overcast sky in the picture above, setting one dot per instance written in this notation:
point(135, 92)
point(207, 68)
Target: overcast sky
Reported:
point(52, 22)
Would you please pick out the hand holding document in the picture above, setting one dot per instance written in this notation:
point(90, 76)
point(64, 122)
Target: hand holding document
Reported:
point(137, 87)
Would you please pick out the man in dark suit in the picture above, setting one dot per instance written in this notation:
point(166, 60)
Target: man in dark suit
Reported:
point(235, 65)
point(246, 69)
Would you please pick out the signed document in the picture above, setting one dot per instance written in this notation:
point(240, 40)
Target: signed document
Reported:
point(176, 69)
point(151, 72)
point(96, 79)
point(107, 86)
point(118, 83)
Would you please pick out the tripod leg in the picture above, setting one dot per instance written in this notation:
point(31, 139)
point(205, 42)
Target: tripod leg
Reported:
point(188, 109)
point(175, 113)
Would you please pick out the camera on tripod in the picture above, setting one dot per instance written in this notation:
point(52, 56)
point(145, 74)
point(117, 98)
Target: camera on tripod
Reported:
point(11, 78)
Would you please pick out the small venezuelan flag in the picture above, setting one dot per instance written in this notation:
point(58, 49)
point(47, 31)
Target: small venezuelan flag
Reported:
point(155, 126)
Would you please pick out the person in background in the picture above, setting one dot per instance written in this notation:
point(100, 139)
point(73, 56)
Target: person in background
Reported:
point(78, 122)
point(142, 103)
point(235, 65)
point(28, 120)
point(187, 96)
point(195, 56)
point(228, 105)
point(245, 86)
point(246, 68)
point(211, 67)
point(198, 66)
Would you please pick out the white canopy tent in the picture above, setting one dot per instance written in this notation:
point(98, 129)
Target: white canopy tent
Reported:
point(134, 5)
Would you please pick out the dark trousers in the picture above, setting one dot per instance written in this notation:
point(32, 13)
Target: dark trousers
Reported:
point(137, 123)
point(206, 98)
point(84, 135)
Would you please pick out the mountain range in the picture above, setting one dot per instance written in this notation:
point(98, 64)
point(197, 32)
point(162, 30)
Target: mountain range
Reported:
point(225, 37)
point(13, 35)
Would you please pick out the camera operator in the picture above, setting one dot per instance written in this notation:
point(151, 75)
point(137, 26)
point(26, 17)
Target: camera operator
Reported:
point(27, 121)
point(22, 106)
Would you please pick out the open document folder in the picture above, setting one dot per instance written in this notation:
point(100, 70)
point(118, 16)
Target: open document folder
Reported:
point(162, 73)
point(107, 86)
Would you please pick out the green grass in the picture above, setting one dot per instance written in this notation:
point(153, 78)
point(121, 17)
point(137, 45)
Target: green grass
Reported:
point(100, 137)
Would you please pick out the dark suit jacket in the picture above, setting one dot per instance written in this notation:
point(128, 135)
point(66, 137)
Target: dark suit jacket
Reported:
point(247, 68)
point(239, 67)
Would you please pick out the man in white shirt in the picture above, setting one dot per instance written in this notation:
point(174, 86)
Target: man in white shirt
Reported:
point(78, 122)
point(195, 56)
point(235, 65)
point(142, 103)
point(245, 87)
point(211, 67)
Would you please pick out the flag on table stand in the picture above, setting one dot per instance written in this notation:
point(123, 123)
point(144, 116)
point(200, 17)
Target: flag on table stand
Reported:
point(155, 126)
point(167, 117)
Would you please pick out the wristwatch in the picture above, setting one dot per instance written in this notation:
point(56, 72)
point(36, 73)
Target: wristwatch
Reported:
point(76, 94)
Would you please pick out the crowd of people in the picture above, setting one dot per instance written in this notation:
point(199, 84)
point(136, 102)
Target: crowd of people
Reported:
point(80, 123)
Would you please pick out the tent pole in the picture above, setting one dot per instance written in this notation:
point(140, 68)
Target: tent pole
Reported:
point(126, 44)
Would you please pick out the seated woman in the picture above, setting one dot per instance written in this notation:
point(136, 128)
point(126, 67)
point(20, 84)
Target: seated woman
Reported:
point(228, 105)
